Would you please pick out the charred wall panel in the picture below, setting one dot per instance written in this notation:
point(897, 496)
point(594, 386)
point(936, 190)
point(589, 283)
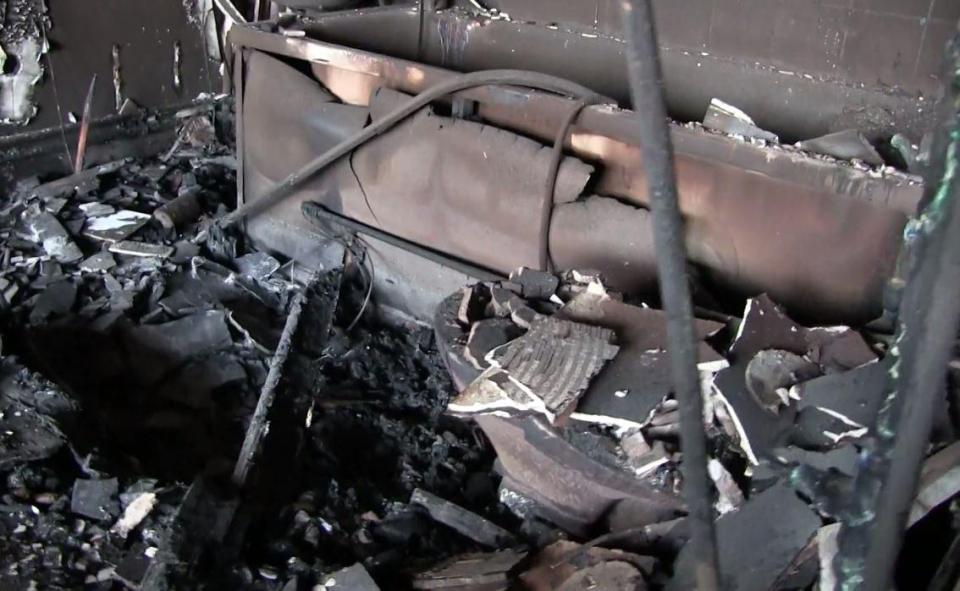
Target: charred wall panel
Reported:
point(799, 69)
point(886, 42)
point(82, 40)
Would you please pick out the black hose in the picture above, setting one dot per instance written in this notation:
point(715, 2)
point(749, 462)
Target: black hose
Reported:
point(556, 158)
point(455, 84)
point(643, 65)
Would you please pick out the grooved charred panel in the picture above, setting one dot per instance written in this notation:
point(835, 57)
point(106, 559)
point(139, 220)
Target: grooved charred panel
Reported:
point(930, 61)
point(919, 8)
point(742, 27)
point(681, 24)
point(809, 36)
point(881, 48)
point(946, 9)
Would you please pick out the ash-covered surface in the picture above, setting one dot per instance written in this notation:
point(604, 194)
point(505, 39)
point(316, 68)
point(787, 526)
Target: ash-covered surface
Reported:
point(377, 432)
point(134, 355)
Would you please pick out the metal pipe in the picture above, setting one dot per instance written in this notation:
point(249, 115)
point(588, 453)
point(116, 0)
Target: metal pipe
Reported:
point(316, 212)
point(928, 317)
point(646, 94)
point(556, 158)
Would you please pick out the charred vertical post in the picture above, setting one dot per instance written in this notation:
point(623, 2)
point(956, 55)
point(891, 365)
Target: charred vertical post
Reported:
point(928, 316)
point(643, 65)
point(259, 423)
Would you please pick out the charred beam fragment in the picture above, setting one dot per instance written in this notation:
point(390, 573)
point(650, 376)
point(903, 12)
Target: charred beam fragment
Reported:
point(259, 422)
point(463, 521)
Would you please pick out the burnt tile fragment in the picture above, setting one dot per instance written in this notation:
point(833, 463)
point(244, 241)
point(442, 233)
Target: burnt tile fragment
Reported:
point(486, 335)
point(840, 406)
point(766, 328)
point(628, 389)
point(96, 499)
point(848, 144)
point(757, 542)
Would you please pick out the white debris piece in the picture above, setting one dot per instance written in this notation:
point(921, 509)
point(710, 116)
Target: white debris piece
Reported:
point(730, 496)
point(135, 513)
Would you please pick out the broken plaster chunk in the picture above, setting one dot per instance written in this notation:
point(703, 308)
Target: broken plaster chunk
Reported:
point(729, 495)
point(728, 119)
point(134, 514)
point(116, 227)
point(141, 249)
point(838, 348)
point(84, 181)
point(848, 144)
point(827, 548)
point(129, 107)
point(46, 229)
point(772, 371)
point(628, 391)
point(54, 204)
point(646, 463)
point(766, 327)
point(524, 316)
point(494, 391)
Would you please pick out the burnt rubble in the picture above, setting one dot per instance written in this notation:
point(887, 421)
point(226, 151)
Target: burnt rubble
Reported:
point(180, 409)
point(787, 408)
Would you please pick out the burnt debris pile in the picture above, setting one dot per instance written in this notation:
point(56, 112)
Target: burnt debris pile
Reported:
point(181, 410)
